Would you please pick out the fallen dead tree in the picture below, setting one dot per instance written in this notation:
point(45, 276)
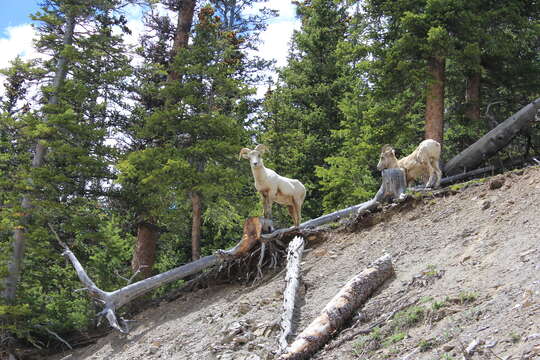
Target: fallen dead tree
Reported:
point(393, 186)
point(493, 141)
point(340, 309)
point(115, 299)
point(292, 280)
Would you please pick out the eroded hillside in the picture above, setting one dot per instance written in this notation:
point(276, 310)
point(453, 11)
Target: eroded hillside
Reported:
point(467, 272)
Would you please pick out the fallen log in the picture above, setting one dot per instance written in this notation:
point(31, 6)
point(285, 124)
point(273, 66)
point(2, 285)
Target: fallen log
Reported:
point(493, 141)
point(115, 299)
point(393, 186)
point(252, 235)
point(340, 309)
point(292, 280)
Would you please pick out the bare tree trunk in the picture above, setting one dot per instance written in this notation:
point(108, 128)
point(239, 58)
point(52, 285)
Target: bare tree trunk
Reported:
point(144, 254)
point(354, 294)
point(195, 225)
point(435, 100)
point(19, 234)
point(393, 187)
point(292, 280)
point(183, 28)
point(472, 98)
point(492, 142)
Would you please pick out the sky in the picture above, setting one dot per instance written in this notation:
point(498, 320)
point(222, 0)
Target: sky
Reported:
point(16, 33)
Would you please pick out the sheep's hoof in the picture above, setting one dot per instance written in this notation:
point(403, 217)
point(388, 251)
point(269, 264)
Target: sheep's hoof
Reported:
point(402, 197)
point(267, 226)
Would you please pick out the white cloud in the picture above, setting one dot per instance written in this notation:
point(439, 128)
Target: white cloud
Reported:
point(18, 42)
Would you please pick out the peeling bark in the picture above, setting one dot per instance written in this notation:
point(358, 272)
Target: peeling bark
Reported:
point(292, 280)
point(354, 294)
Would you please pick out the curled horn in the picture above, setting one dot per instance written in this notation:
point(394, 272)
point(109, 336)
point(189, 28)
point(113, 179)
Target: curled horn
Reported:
point(261, 148)
point(386, 148)
point(242, 152)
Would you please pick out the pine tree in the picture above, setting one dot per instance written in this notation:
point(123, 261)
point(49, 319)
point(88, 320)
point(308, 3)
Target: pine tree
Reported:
point(62, 184)
point(302, 111)
point(192, 129)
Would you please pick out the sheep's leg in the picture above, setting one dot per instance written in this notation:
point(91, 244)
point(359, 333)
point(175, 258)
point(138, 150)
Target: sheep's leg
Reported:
point(298, 213)
point(438, 172)
point(292, 212)
point(432, 175)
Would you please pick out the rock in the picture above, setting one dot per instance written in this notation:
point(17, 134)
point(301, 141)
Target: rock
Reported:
point(153, 349)
point(253, 357)
point(320, 252)
point(448, 347)
point(472, 346)
point(243, 308)
point(496, 183)
point(485, 204)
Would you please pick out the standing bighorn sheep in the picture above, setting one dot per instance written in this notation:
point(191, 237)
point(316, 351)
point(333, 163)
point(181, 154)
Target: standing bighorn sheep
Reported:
point(421, 162)
point(273, 187)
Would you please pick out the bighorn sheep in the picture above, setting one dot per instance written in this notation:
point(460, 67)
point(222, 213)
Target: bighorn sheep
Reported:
point(421, 162)
point(273, 187)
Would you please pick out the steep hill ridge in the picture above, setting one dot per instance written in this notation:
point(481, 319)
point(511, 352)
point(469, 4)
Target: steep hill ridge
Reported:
point(467, 272)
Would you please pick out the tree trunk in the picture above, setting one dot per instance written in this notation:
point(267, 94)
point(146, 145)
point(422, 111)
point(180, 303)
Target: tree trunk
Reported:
point(492, 142)
point(472, 98)
point(354, 294)
point(195, 225)
point(19, 234)
point(435, 100)
point(186, 8)
point(144, 254)
point(292, 280)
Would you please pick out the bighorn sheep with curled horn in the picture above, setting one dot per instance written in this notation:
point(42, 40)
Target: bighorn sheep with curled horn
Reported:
point(421, 162)
point(273, 187)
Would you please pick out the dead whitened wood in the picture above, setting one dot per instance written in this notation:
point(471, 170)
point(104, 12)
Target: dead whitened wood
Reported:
point(115, 299)
point(493, 141)
point(292, 280)
point(454, 178)
point(340, 309)
point(393, 187)
point(381, 321)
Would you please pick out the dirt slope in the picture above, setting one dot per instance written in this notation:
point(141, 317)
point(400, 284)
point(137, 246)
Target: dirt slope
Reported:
point(468, 263)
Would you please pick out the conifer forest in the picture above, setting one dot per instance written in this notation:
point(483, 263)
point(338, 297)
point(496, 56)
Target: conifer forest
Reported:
point(129, 154)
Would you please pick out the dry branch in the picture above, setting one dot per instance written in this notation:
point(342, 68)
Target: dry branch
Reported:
point(493, 141)
point(292, 279)
point(340, 309)
point(393, 186)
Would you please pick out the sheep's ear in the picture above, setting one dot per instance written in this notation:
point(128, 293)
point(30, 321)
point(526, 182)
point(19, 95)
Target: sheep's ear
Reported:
point(243, 153)
point(261, 148)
